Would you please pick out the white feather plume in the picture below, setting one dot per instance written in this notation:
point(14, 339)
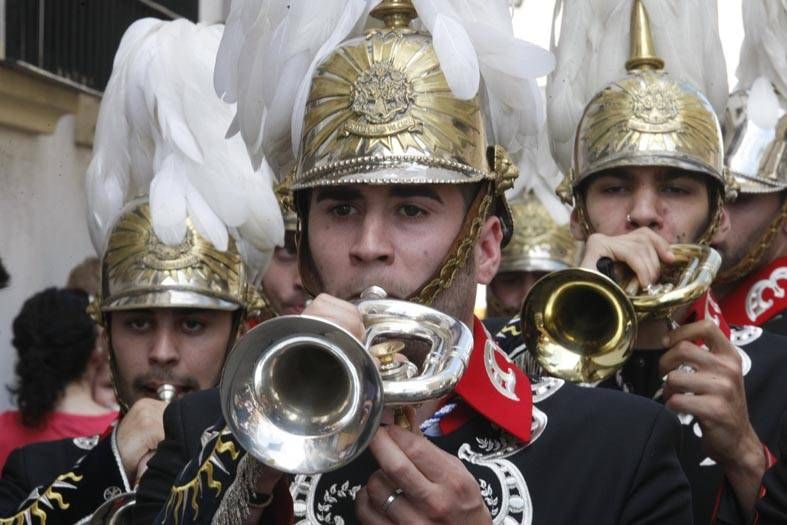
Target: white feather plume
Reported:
point(764, 48)
point(161, 131)
point(268, 52)
point(539, 173)
point(763, 106)
point(285, 40)
point(594, 45)
point(506, 65)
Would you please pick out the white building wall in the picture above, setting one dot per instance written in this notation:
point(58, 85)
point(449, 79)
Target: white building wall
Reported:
point(43, 232)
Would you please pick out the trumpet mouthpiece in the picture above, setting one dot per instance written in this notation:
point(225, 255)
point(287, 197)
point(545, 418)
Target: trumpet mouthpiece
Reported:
point(166, 393)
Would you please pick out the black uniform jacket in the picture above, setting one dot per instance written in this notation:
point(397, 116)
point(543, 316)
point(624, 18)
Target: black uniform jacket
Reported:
point(772, 506)
point(62, 481)
point(592, 456)
point(764, 360)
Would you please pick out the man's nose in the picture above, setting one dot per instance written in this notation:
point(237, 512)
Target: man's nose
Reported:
point(645, 210)
point(372, 243)
point(164, 350)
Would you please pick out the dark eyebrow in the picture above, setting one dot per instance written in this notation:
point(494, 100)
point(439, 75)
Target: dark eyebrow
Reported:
point(614, 174)
point(337, 193)
point(673, 174)
point(415, 190)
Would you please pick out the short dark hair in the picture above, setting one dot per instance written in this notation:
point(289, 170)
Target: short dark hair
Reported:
point(54, 338)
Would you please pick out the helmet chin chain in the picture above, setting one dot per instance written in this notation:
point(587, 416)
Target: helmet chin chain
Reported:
point(754, 257)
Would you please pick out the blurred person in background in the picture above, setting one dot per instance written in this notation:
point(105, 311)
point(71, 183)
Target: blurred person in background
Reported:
point(85, 277)
point(541, 241)
point(55, 340)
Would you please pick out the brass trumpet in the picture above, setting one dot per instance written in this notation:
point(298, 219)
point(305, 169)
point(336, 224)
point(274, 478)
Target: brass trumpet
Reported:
point(581, 326)
point(303, 395)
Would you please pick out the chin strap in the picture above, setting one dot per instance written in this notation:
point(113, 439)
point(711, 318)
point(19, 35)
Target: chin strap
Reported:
point(754, 257)
point(460, 250)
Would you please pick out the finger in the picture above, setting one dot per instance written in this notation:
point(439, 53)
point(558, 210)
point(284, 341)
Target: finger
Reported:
point(705, 330)
point(142, 466)
point(400, 469)
point(640, 259)
point(703, 407)
point(662, 247)
point(700, 383)
point(338, 311)
point(653, 263)
point(366, 512)
point(687, 353)
point(433, 463)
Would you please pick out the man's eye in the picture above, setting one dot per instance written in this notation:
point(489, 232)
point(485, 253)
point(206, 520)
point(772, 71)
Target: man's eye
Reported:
point(343, 210)
point(676, 190)
point(139, 325)
point(192, 325)
point(410, 210)
point(613, 189)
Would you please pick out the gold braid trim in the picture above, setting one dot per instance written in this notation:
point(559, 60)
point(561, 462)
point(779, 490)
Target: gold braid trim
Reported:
point(745, 265)
point(453, 264)
point(38, 508)
point(706, 237)
point(192, 490)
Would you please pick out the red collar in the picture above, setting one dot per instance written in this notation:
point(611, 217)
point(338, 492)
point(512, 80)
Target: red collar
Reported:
point(494, 387)
point(759, 297)
point(706, 307)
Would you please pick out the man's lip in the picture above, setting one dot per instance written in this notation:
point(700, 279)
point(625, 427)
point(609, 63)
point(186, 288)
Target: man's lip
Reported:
point(294, 310)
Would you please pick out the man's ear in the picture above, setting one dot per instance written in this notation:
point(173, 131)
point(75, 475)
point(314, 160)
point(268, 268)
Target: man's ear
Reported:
point(487, 250)
point(578, 232)
point(724, 228)
point(99, 354)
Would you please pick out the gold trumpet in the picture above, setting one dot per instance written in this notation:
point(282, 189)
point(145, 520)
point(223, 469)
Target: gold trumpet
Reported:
point(581, 326)
point(302, 395)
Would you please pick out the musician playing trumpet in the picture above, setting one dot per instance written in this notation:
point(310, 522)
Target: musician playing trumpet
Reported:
point(172, 300)
point(399, 184)
point(646, 171)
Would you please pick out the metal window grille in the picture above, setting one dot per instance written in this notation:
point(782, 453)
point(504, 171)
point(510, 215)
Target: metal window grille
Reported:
point(77, 39)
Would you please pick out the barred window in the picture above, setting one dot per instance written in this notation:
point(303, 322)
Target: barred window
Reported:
point(77, 39)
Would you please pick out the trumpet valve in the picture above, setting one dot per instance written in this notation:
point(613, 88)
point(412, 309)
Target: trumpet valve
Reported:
point(390, 368)
point(393, 370)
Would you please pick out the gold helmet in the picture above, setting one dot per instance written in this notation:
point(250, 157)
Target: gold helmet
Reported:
point(647, 118)
point(539, 242)
point(138, 270)
point(389, 106)
point(380, 111)
point(177, 214)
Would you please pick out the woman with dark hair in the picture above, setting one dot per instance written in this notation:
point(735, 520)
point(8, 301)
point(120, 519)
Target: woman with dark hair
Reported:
point(57, 358)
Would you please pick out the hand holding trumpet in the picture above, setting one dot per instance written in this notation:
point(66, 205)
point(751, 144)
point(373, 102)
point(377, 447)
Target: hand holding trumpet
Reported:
point(714, 394)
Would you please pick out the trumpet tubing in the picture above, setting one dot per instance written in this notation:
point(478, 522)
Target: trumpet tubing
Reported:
point(581, 326)
point(302, 395)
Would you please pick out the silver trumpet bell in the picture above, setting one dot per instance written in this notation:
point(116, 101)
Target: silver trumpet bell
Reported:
point(302, 395)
